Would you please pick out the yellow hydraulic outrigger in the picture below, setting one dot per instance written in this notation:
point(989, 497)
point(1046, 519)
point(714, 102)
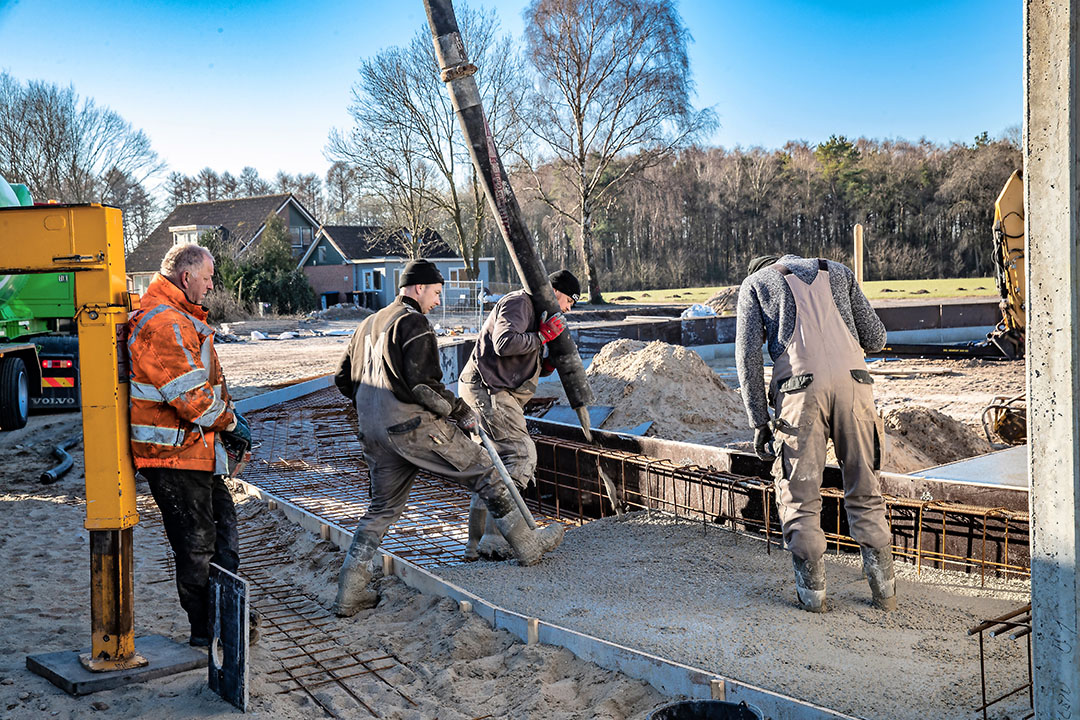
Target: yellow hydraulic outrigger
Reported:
point(88, 240)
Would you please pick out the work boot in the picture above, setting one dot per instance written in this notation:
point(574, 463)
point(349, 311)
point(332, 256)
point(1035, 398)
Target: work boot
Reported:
point(493, 545)
point(354, 593)
point(529, 545)
point(478, 518)
point(877, 564)
point(810, 583)
point(254, 626)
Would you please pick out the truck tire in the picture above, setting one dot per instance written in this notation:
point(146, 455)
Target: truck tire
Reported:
point(14, 393)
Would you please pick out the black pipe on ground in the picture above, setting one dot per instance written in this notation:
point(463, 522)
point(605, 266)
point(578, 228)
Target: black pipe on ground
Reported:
point(60, 453)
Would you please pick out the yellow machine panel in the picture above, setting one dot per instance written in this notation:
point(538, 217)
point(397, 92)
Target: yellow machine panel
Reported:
point(1009, 266)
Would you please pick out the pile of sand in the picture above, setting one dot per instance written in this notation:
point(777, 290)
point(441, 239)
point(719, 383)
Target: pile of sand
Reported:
point(724, 301)
point(669, 385)
point(921, 437)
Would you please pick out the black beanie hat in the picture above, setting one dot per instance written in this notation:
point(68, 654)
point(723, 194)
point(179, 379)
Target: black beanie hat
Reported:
point(420, 272)
point(565, 282)
point(761, 262)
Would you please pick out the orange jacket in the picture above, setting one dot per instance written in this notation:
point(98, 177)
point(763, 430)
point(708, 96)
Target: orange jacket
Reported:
point(178, 394)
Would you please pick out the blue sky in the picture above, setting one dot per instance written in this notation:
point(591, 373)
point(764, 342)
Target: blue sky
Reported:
point(238, 83)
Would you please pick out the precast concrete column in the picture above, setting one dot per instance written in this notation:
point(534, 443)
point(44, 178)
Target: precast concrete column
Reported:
point(1052, 209)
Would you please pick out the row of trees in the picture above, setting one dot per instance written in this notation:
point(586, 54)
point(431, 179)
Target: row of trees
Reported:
point(595, 120)
point(927, 210)
point(592, 115)
point(67, 148)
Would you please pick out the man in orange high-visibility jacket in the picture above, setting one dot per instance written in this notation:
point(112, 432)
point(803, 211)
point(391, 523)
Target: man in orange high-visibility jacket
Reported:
point(179, 406)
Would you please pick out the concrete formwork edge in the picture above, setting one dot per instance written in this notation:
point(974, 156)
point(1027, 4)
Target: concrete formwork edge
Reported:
point(275, 397)
point(670, 678)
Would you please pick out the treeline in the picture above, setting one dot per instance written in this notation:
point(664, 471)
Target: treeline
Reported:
point(927, 210)
point(695, 218)
point(67, 148)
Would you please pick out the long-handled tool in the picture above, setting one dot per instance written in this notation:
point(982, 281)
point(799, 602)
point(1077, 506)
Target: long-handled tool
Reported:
point(500, 468)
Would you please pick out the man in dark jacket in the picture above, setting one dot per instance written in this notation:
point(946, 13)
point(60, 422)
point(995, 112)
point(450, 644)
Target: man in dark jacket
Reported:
point(500, 377)
point(817, 324)
point(409, 421)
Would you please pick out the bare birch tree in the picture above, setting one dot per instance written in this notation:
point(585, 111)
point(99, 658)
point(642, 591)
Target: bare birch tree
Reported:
point(406, 145)
point(614, 81)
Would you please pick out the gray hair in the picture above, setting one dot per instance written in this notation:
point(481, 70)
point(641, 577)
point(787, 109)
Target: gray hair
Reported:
point(185, 257)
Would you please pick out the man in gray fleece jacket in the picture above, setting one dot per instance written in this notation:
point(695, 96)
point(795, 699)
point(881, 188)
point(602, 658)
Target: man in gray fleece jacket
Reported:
point(817, 324)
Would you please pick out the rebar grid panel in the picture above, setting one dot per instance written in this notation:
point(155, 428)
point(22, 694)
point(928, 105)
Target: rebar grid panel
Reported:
point(934, 534)
point(307, 453)
point(294, 626)
point(1017, 624)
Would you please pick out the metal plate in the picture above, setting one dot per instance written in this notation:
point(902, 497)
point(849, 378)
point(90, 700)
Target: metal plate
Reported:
point(565, 414)
point(166, 657)
point(228, 667)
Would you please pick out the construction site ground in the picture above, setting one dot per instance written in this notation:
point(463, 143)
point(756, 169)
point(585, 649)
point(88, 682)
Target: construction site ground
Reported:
point(451, 665)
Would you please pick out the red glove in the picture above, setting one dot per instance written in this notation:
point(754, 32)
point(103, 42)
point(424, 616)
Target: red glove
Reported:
point(552, 328)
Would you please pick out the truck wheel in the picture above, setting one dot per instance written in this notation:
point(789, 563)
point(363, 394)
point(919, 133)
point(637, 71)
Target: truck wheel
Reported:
point(14, 393)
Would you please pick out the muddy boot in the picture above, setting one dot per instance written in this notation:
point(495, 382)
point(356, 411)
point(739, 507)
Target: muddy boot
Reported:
point(810, 583)
point(877, 564)
point(529, 545)
point(354, 594)
point(478, 518)
point(493, 545)
point(254, 626)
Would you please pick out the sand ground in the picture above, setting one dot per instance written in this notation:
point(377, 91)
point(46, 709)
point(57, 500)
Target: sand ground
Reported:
point(453, 665)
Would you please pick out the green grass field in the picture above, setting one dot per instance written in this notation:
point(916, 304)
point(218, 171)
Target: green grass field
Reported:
point(875, 290)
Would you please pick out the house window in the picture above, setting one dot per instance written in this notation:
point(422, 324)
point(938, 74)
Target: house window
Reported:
point(458, 274)
point(301, 236)
point(320, 255)
point(372, 280)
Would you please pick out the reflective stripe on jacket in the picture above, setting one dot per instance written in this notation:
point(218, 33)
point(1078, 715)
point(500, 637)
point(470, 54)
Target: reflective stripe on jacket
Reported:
point(178, 394)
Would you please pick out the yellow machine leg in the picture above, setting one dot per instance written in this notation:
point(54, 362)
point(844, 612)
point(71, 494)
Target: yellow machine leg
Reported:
point(111, 596)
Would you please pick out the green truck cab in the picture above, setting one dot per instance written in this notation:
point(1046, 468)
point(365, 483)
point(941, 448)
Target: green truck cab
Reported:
point(39, 346)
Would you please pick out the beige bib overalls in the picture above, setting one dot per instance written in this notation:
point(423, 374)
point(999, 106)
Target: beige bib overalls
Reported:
point(822, 390)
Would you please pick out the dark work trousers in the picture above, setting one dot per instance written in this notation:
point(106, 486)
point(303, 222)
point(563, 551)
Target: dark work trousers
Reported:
point(200, 522)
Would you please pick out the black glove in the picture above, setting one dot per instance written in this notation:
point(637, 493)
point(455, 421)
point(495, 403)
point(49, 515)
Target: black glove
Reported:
point(763, 440)
point(467, 422)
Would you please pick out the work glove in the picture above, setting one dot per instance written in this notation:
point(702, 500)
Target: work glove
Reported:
point(242, 429)
point(763, 442)
point(465, 419)
point(546, 366)
point(551, 327)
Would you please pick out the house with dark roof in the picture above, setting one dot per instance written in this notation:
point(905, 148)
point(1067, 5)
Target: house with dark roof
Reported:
point(244, 219)
point(363, 263)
